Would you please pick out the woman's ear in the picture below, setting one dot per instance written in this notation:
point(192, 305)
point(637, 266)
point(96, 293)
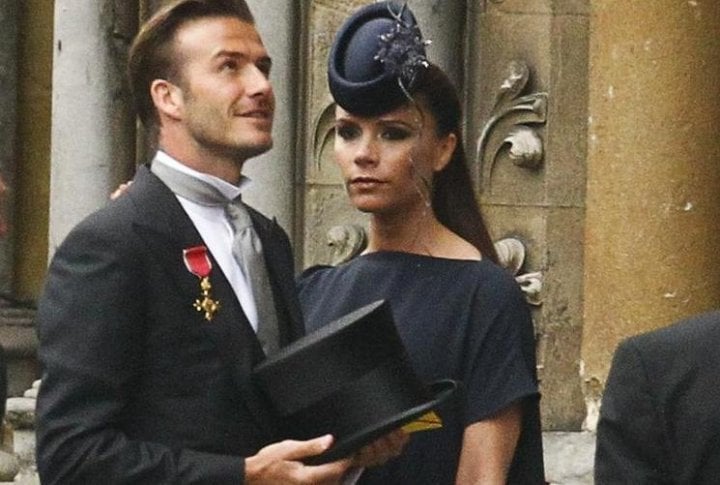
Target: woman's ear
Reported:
point(444, 151)
point(168, 99)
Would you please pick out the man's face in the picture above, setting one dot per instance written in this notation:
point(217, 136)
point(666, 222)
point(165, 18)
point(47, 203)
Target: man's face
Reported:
point(3, 223)
point(227, 99)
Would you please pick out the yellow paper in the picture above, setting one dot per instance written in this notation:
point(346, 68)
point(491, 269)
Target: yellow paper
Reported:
point(424, 423)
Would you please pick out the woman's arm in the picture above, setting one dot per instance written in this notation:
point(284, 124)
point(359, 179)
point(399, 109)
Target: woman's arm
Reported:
point(488, 448)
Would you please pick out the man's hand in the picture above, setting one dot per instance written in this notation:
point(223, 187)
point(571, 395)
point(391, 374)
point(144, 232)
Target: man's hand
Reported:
point(279, 463)
point(381, 450)
point(121, 189)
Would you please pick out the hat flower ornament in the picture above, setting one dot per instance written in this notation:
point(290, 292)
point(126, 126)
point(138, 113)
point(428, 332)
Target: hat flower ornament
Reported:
point(402, 50)
point(375, 59)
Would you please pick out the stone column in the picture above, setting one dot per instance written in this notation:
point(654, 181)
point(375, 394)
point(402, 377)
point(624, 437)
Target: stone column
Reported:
point(93, 123)
point(8, 120)
point(653, 191)
point(273, 173)
point(443, 22)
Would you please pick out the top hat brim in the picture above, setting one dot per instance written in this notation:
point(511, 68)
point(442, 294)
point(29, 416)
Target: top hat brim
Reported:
point(343, 447)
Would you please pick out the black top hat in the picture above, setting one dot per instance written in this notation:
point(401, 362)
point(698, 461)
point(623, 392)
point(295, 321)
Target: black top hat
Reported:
point(351, 379)
point(375, 58)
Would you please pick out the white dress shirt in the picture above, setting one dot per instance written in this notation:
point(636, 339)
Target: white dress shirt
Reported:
point(215, 229)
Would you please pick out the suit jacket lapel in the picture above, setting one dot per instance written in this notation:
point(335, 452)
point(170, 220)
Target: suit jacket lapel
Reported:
point(167, 230)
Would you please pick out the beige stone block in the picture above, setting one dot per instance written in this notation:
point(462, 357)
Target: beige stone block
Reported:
point(553, 237)
point(566, 133)
point(496, 43)
point(544, 7)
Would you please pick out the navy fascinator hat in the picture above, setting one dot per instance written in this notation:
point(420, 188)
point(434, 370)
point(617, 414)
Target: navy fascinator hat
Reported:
point(375, 58)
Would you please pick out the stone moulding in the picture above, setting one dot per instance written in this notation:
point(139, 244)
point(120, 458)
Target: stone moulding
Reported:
point(346, 241)
point(323, 132)
point(511, 256)
point(508, 126)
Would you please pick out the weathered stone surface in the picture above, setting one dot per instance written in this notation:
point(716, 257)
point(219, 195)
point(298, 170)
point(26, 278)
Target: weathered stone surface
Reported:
point(542, 7)
point(20, 413)
point(9, 466)
point(653, 202)
point(8, 129)
point(273, 173)
point(569, 458)
point(91, 101)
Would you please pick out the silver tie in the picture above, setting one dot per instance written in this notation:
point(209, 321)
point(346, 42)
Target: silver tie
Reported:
point(248, 252)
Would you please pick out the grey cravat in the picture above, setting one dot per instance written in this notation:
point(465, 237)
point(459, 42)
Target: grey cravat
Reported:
point(246, 249)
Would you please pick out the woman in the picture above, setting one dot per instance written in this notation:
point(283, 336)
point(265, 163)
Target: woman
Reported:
point(398, 145)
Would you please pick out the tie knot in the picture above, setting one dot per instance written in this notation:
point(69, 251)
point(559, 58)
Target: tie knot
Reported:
point(238, 215)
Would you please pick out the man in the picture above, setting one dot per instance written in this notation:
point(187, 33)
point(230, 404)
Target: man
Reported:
point(660, 415)
point(148, 322)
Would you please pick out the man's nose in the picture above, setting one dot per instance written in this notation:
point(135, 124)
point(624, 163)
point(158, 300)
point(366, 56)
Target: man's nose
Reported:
point(259, 83)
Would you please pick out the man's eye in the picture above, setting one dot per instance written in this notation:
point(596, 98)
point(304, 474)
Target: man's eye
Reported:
point(347, 132)
point(264, 67)
point(229, 66)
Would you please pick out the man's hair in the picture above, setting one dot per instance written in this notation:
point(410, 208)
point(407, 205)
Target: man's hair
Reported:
point(152, 55)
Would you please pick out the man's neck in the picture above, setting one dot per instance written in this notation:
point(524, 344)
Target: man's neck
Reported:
point(223, 167)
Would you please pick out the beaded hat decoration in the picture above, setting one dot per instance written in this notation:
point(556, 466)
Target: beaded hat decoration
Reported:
point(375, 59)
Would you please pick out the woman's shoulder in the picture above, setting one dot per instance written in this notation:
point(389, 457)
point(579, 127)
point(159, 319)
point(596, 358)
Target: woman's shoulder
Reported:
point(314, 272)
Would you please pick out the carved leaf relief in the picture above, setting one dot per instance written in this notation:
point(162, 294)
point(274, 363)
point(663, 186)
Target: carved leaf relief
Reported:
point(511, 126)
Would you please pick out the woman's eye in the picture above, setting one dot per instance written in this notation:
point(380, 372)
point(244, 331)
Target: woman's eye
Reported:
point(347, 132)
point(394, 134)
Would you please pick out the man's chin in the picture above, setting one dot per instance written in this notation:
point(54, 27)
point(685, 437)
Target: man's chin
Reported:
point(257, 150)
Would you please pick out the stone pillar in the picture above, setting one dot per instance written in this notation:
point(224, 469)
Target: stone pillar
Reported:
point(93, 123)
point(443, 22)
point(273, 173)
point(653, 191)
point(8, 127)
point(526, 84)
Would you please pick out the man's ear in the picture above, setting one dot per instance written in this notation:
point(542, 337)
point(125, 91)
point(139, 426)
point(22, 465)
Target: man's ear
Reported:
point(445, 150)
point(168, 98)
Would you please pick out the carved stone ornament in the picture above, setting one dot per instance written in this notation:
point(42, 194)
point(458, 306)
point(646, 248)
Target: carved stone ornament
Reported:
point(346, 242)
point(508, 126)
point(323, 133)
point(511, 256)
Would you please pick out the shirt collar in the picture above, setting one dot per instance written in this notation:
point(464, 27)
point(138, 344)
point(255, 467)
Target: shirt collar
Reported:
point(228, 190)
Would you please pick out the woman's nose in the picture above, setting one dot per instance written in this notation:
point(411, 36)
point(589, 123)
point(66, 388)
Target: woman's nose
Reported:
point(366, 152)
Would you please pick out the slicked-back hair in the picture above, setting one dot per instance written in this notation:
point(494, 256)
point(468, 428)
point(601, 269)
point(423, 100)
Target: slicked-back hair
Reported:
point(152, 55)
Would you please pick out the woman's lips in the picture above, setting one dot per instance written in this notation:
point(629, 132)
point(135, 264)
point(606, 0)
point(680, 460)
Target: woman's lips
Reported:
point(365, 182)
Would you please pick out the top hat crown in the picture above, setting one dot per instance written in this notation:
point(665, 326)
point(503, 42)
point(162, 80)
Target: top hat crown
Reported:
point(375, 58)
point(351, 378)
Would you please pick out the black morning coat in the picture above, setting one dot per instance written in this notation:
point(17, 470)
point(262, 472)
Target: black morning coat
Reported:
point(660, 415)
point(137, 387)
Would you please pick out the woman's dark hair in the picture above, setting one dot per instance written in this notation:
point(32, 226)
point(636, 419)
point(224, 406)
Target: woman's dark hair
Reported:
point(453, 198)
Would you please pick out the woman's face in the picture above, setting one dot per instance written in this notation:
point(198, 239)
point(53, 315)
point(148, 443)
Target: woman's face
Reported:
point(388, 161)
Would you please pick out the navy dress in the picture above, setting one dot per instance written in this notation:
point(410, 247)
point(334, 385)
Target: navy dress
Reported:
point(459, 319)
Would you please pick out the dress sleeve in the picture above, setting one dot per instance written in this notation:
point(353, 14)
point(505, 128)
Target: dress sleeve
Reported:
point(629, 441)
point(500, 354)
